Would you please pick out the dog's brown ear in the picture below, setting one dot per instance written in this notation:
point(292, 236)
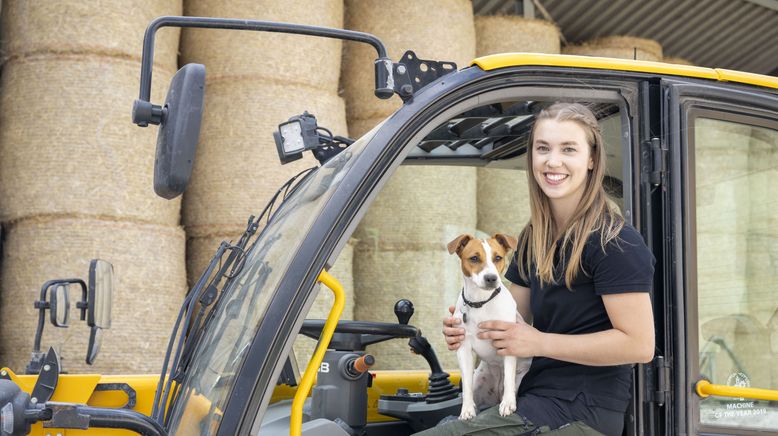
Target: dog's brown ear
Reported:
point(509, 242)
point(459, 243)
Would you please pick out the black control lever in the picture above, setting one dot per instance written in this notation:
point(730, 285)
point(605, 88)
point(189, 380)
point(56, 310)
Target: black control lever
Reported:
point(440, 387)
point(403, 310)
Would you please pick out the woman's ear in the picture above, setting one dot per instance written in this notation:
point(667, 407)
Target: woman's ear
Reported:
point(591, 163)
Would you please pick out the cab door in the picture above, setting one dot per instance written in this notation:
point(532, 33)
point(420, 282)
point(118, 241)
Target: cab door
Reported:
point(723, 236)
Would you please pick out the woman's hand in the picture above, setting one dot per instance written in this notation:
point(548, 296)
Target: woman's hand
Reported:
point(512, 338)
point(451, 330)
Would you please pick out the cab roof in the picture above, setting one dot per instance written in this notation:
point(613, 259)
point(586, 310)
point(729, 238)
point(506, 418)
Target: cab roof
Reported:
point(493, 62)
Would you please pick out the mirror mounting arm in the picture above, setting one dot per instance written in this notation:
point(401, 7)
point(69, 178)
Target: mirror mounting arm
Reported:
point(43, 304)
point(145, 113)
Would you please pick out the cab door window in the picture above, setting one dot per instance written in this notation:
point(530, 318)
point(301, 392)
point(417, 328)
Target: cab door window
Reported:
point(735, 169)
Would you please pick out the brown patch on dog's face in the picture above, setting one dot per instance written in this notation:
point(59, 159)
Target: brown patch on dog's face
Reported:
point(499, 253)
point(473, 256)
point(502, 246)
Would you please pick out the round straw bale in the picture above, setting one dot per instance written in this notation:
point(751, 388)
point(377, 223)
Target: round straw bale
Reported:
point(721, 169)
point(427, 205)
point(430, 278)
point(676, 60)
point(440, 30)
point(237, 168)
point(67, 145)
point(114, 28)
point(625, 47)
point(357, 128)
point(272, 56)
point(148, 262)
point(503, 201)
point(512, 33)
point(342, 270)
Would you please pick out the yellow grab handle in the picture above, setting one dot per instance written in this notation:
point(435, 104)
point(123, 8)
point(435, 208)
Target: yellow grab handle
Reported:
point(704, 388)
point(296, 424)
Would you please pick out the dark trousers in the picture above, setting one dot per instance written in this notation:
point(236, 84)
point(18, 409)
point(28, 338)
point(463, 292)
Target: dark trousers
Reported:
point(537, 415)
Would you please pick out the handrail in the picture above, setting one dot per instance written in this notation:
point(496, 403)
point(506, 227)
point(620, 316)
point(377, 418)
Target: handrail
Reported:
point(296, 418)
point(705, 388)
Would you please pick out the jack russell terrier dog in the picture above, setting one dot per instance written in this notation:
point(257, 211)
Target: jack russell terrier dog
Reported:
point(484, 298)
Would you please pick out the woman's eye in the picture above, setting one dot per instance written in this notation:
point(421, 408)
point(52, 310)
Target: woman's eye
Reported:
point(569, 150)
point(541, 148)
point(474, 259)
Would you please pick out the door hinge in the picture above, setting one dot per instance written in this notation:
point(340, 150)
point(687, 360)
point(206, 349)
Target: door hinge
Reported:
point(654, 154)
point(658, 381)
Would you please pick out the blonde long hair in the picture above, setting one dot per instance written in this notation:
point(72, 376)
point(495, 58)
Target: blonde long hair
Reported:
point(540, 240)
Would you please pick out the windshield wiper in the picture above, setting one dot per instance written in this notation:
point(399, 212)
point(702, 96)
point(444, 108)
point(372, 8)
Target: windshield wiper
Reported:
point(206, 292)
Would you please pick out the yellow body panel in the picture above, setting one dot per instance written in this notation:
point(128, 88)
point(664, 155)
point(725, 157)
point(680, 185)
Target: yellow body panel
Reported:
point(80, 388)
point(493, 62)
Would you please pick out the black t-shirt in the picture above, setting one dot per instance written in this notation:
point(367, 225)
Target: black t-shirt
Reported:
point(626, 265)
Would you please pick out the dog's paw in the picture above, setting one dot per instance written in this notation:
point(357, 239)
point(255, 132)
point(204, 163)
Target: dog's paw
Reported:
point(507, 405)
point(468, 411)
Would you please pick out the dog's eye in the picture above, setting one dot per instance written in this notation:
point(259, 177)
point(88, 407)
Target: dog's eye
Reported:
point(497, 258)
point(474, 259)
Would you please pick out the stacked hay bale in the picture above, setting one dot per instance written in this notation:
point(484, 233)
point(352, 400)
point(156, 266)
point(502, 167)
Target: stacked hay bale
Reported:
point(401, 253)
point(722, 194)
point(625, 47)
point(503, 195)
point(722, 191)
point(255, 81)
point(76, 177)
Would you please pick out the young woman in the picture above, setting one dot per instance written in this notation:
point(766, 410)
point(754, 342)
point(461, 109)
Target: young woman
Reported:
point(582, 279)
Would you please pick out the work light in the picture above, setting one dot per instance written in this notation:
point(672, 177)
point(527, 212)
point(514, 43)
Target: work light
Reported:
point(296, 136)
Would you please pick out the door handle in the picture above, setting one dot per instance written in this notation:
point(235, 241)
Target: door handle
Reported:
point(296, 418)
point(705, 388)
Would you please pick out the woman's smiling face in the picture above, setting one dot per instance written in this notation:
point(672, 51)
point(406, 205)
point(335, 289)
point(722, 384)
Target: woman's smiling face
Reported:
point(561, 160)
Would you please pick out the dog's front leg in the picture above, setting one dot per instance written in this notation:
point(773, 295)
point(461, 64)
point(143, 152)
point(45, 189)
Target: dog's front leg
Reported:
point(508, 403)
point(465, 359)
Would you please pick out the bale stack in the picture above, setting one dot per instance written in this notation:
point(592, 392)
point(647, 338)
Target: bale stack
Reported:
point(625, 47)
point(503, 195)
point(76, 177)
point(254, 81)
point(401, 253)
point(723, 191)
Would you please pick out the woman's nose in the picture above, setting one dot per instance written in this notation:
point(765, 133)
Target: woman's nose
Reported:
point(552, 160)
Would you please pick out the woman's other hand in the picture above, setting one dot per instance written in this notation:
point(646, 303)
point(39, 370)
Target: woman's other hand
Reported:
point(452, 331)
point(512, 338)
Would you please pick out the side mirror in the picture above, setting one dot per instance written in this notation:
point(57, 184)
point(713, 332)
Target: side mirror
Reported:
point(100, 294)
point(179, 131)
point(99, 302)
point(59, 305)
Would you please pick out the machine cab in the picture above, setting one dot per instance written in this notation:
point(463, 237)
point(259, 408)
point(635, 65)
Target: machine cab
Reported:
point(691, 152)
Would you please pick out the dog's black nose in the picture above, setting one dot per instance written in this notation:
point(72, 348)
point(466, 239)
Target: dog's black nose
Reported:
point(490, 279)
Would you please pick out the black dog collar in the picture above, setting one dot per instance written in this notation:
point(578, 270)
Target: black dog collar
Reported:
point(477, 304)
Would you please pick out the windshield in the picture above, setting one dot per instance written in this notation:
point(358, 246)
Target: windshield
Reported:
point(220, 354)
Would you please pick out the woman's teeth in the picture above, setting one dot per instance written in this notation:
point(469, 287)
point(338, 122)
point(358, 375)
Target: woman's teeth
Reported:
point(556, 177)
